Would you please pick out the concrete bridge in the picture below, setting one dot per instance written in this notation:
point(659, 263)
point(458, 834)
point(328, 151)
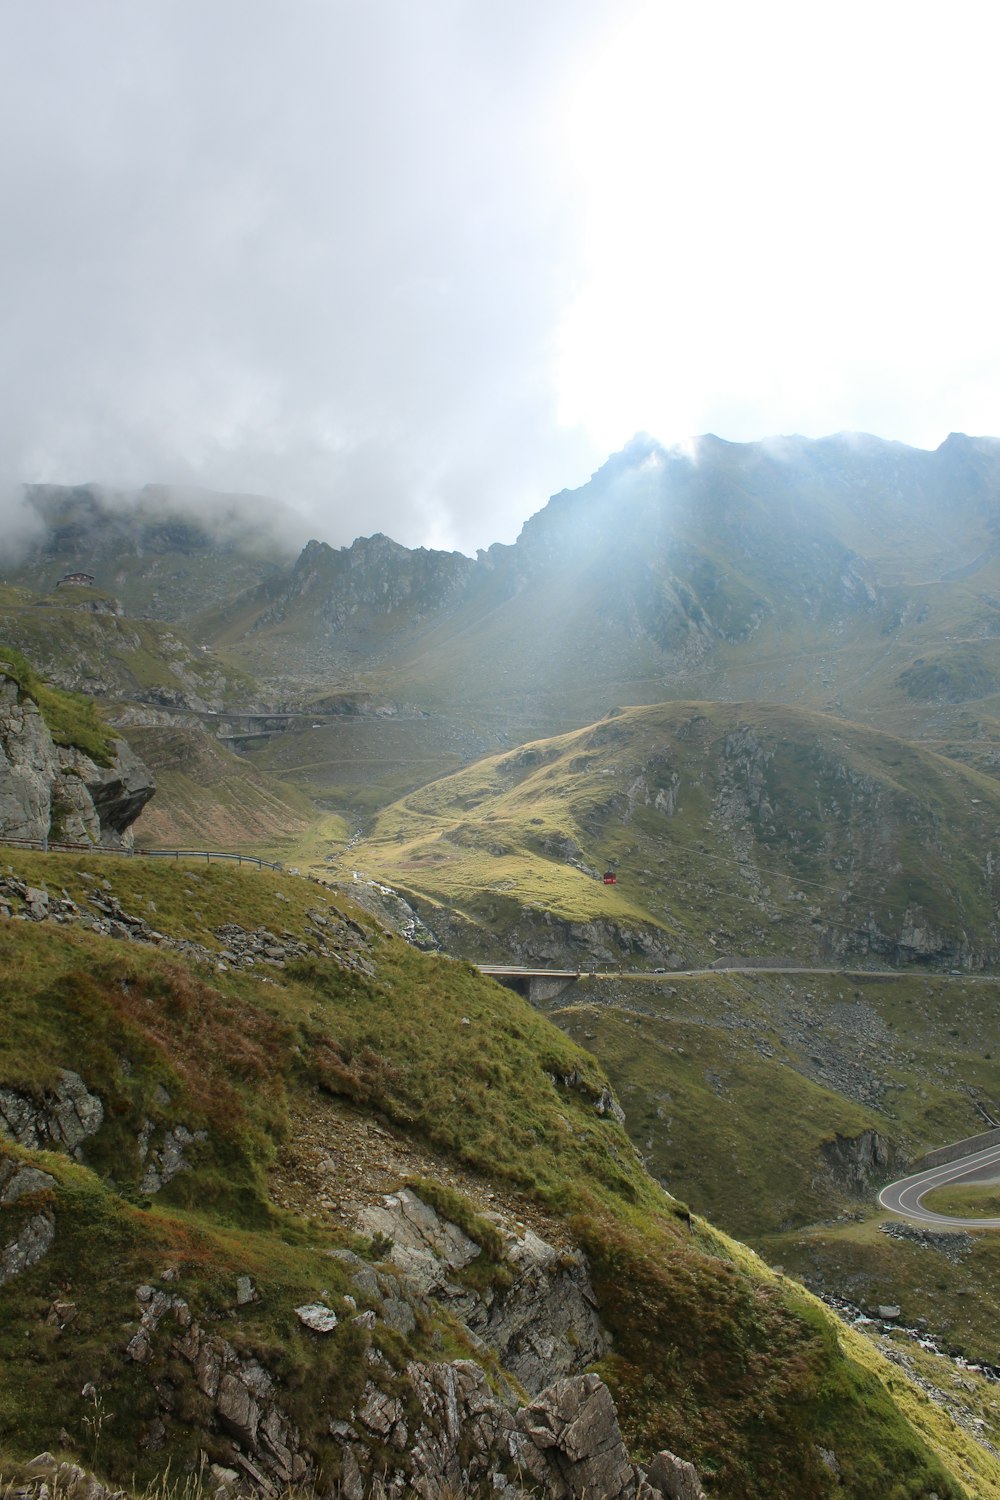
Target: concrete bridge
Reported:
point(535, 985)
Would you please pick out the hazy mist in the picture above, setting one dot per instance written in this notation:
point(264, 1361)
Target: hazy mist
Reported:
point(412, 268)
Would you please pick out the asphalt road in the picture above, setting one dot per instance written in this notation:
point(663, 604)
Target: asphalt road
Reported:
point(903, 1197)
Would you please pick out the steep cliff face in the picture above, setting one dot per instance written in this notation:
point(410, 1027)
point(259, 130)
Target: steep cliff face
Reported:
point(50, 791)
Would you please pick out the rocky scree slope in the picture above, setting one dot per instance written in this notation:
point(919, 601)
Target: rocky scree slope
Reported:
point(88, 788)
point(158, 1303)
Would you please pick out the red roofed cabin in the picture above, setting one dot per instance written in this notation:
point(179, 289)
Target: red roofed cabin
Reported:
point(81, 580)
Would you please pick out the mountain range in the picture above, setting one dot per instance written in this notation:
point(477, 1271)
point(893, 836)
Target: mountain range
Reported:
point(756, 686)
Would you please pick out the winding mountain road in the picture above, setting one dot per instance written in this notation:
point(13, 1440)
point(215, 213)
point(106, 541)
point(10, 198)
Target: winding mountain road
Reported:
point(904, 1197)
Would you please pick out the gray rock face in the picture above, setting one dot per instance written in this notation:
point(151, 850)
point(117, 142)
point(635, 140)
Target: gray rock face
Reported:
point(243, 1394)
point(20, 1182)
point(426, 1248)
point(546, 1324)
point(423, 1428)
point(46, 1476)
point(859, 1161)
point(573, 1442)
point(675, 1478)
point(34, 1238)
point(119, 793)
point(542, 1326)
point(55, 791)
point(565, 1445)
point(33, 1241)
point(61, 1121)
point(164, 1162)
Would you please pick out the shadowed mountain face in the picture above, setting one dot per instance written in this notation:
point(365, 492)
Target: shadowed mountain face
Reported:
point(817, 572)
point(850, 575)
point(166, 553)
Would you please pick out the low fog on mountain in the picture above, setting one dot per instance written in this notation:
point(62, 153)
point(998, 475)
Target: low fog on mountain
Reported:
point(413, 269)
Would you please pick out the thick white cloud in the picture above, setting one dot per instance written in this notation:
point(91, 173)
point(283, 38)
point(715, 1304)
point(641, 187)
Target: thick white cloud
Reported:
point(786, 222)
point(410, 267)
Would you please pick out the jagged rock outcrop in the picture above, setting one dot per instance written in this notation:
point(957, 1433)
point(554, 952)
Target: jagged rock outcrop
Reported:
point(859, 1161)
point(50, 791)
point(442, 1431)
point(61, 1119)
point(46, 1475)
point(65, 1116)
point(164, 1161)
point(540, 1318)
point(393, 911)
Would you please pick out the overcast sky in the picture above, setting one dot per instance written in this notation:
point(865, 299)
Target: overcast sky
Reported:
point(413, 265)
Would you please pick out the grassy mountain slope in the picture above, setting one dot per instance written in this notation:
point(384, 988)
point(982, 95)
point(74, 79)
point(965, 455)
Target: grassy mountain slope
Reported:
point(776, 1105)
point(78, 639)
point(207, 797)
point(713, 1356)
point(738, 829)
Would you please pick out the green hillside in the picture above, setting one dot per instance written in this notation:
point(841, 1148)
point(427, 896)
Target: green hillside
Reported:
point(712, 1355)
point(736, 830)
point(207, 797)
point(78, 639)
point(778, 1104)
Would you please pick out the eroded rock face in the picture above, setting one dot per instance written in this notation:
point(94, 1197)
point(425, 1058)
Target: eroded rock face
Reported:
point(58, 792)
point(62, 1120)
point(35, 1236)
point(565, 1445)
point(164, 1161)
point(541, 1326)
point(573, 1445)
point(674, 1477)
point(242, 1393)
point(859, 1161)
point(47, 1476)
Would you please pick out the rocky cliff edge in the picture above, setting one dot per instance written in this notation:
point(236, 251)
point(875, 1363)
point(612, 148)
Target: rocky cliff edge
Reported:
point(57, 792)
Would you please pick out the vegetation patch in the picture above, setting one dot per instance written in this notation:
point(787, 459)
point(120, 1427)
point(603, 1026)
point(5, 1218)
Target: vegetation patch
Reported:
point(972, 1200)
point(72, 719)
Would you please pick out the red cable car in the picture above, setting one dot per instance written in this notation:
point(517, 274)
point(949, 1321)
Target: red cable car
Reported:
point(610, 878)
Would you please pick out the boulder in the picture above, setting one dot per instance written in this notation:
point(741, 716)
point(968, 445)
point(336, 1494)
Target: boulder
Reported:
point(674, 1477)
point(574, 1445)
